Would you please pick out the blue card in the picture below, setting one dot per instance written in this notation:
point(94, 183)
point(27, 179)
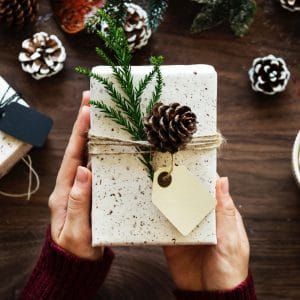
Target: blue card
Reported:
point(25, 124)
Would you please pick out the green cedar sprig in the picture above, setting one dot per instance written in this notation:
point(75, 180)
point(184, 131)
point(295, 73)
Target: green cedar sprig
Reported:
point(239, 13)
point(127, 110)
point(117, 11)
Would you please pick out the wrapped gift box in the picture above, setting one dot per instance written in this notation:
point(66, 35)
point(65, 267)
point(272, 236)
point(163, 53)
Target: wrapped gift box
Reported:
point(11, 149)
point(122, 210)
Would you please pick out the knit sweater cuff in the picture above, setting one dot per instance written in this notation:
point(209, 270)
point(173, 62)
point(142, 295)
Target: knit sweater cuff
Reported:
point(61, 275)
point(244, 291)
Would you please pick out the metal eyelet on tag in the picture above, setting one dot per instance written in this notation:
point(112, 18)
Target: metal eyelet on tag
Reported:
point(164, 179)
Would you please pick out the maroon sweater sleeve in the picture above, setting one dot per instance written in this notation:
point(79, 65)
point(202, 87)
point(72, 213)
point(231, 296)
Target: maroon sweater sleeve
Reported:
point(244, 291)
point(60, 275)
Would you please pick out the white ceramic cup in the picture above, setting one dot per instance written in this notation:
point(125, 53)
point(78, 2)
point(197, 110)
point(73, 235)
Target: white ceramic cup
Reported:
point(296, 158)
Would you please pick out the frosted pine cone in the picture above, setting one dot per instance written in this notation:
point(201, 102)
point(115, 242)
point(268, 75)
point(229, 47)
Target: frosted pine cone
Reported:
point(43, 55)
point(169, 127)
point(136, 26)
point(16, 13)
point(291, 5)
point(269, 75)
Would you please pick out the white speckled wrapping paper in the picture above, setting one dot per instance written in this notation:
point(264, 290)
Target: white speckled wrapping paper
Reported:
point(11, 149)
point(122, 210)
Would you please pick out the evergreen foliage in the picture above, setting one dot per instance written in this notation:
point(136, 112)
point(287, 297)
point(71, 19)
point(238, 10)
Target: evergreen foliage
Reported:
point(239, 13)
point(127, 110)
point(156, 11)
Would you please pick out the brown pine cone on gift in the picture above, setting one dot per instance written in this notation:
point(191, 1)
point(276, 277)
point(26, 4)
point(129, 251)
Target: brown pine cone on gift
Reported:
point(169, 127)
point(43, 55)
point(17, 13)
point(136, 26)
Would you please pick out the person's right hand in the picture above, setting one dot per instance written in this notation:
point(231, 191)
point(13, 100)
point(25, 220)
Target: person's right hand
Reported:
point(219, 267)
point(70, 202)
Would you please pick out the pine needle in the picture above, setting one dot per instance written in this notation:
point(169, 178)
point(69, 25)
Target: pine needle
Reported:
point(127, 110)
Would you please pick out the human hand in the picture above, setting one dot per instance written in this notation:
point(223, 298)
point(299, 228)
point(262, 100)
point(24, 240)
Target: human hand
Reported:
point(219, 267)
point(70, 202)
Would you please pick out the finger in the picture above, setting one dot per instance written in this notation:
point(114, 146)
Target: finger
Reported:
point(241, 228)
point(226, 211)
point(79, 202)
point(86, 102)
point(85, 98)
point(224, 200)
point(58, 212)
point(75, 149)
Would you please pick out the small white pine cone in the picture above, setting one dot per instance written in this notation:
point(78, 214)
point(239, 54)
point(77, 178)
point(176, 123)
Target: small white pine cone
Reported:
point(291, 5)
point(136, 27)
point(269, 75)
point(42, 56)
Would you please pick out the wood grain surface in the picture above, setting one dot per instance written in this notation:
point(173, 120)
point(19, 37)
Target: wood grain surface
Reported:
point(257, 158)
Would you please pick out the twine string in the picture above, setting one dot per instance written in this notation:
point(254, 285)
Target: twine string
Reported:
point(27, 160)
point(98, 144)
point(164, 179)
point(6, 101)
point(110, 146)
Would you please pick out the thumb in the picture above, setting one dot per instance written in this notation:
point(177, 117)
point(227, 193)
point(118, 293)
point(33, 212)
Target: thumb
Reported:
point(226, 211)
point(224, 200)
point(79, 203)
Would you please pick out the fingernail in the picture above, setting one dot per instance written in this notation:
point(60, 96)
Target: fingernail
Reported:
point(86, 108)
point(85, 94)
point(81, 175)
point(225, 185)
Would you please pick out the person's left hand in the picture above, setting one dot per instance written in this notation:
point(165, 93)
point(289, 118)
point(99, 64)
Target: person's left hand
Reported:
point(220, 267)
point(70, 202)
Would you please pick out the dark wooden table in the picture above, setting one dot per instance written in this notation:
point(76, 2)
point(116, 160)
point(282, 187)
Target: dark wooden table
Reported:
point(260, 131)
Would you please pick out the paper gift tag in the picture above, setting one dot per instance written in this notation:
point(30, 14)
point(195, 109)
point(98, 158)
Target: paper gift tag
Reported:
point(25, 124)
point(182, 198)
